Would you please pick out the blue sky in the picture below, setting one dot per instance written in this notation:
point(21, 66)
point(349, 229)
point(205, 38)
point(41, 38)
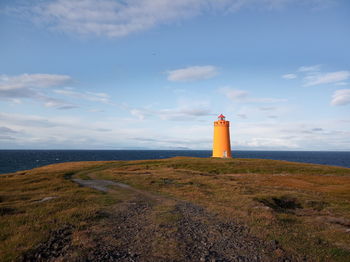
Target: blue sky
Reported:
point(110, 74)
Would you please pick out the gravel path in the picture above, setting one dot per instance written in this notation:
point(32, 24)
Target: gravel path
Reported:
point(100, 185)
point(151, 228)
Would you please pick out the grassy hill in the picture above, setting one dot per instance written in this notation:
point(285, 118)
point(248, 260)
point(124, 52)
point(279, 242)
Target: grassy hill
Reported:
point(177, 209)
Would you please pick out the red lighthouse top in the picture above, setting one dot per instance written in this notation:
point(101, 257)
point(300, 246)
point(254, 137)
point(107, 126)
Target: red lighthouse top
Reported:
point(221, 117)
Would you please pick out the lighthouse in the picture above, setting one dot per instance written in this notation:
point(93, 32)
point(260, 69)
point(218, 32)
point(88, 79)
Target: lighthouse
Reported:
point(221, 143)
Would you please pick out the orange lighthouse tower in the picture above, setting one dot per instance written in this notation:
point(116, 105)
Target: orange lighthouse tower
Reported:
point(221, 143)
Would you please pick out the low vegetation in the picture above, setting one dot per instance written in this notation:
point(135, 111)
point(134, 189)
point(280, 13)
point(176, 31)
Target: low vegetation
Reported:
point(303, 208)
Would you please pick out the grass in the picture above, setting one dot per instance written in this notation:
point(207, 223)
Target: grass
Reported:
point(279, 200)
point(25, 221)
point(305, 207)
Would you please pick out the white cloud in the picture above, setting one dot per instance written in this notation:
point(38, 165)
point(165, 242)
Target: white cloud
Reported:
point(6, 130)
point(313, 76)
point(266, 100)
point(271, 143)
point(341, 97)
point(33, 131)
point(96, 97)
point(192, 73)
point(341, 84)
point(289, 76)
point(59, 104)
point(119, 18)
point(25, 81)
point(313, 68)
point(243, 116)
point(37, 86)
point(243, 96)
point(281, 135)
point(326, 78)
point(95, 110)
point(183, 113)
point(234, 94)
point(267, 108)
point(114, 18)
point(69, 132)
point(21, 120)
point(140, 113)
point(186, 109)
point(31, 86)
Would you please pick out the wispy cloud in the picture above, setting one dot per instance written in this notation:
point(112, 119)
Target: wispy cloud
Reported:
point(313, 76)
point(243, 116)
point(267, 108)
point(192, 73)
point(119, 18)
point(243, 96)
point(173, 114)
point(313, 68)
point(289, 76)
point(39, 87)
point(57, 103)
point(78, 132)
point(91, 96)
point(186, 109)
point(291, 135)
point(26, 81)
point(31, 86)
point(113, 18)
point(234, 94)
point(183, 113)
point(326, 78)
point(33, 131)
point(25, 120)
point(341, 97)
point(6, 130)
point(341, 84)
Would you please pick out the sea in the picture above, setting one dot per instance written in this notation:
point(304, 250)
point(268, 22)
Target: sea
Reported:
point(17, 160)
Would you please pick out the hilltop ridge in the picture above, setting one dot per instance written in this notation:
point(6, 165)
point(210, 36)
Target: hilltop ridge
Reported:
point(176, 209)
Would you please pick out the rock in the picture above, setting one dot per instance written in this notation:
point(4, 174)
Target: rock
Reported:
point(46, 199)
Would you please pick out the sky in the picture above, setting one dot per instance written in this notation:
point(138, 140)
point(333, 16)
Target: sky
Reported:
point(155, 74)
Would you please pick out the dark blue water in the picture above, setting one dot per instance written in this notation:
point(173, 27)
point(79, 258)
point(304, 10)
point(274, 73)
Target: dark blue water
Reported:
point(16, 160)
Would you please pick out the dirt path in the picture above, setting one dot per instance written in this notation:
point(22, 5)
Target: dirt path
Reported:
point(101, 185)
point(147, 227)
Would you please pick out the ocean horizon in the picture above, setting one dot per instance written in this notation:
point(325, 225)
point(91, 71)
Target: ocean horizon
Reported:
point(12, 160)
